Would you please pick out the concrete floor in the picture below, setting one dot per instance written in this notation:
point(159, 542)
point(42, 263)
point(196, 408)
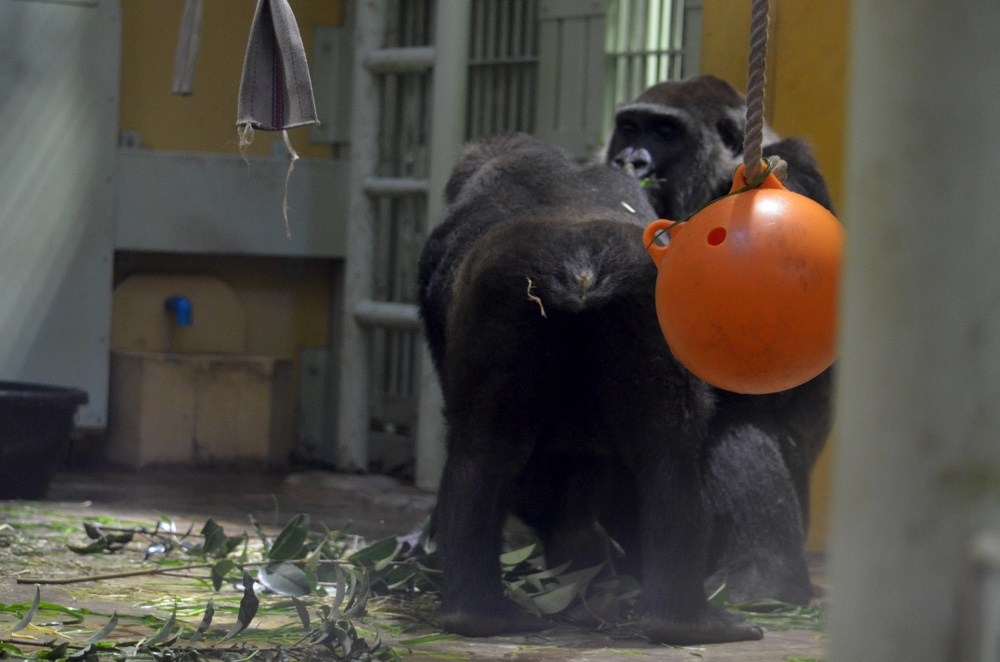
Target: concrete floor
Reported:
point(375, 507)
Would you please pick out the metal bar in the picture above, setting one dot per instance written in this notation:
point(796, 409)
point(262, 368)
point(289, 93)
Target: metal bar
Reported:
point(387, 314)
point(399, 60)
point(513, 59)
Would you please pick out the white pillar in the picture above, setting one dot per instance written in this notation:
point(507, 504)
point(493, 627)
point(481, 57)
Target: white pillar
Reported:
point(917, 476)
point(451, 74)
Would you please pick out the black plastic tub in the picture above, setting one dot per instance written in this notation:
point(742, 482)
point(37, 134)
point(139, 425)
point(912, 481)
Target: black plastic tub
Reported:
point(35, 424)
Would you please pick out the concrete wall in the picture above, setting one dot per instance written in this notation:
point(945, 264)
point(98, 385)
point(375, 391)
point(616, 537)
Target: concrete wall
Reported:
point(918, 467)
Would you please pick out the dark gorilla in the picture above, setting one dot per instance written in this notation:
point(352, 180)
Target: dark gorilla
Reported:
point(566, 408)
point(686, 139)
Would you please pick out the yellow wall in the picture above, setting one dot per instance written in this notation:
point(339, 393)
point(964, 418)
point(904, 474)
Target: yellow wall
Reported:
point(806, 83)
point(206, 120)
point(806, 69)
point(284, 311)
point(285, 303)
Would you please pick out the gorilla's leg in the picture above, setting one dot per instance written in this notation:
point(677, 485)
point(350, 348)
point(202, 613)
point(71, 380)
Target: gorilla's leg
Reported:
point(674, 550)
point(758, 537)
point(558, 496)
point(469, 519)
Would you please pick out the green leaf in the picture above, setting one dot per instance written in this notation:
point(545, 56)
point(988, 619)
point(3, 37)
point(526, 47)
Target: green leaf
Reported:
point(93, 548)
point(85, 653)
point(378, 554)
point(538, 579)
point(338, 599)
point(214, 536)
point(122, 538)
point(232, 542)
point(164, 631)
point(290, 541)
point(580, 577)
point(521, 597)
point(284, 579)
point(300, 609)
point(359, 600)
point(556, 600)
point(103, 632)
point(10, 650)
point(56, 653)
point(517, 556)
point(220, 570)
point(248, 608)
point(206, 620)
point(23, 623)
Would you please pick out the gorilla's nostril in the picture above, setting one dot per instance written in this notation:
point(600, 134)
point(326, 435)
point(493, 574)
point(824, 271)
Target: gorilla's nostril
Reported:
point(641, 158)
point(636, 162)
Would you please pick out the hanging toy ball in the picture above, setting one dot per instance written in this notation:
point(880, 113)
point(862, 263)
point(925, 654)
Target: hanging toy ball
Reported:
point(747, 289)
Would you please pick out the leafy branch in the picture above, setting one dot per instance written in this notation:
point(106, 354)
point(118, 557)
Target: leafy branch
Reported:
point(340, 578)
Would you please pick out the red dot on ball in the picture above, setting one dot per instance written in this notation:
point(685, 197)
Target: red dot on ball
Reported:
point(716, 236)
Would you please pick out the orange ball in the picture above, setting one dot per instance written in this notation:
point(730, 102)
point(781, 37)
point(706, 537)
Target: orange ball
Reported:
point(747, 289)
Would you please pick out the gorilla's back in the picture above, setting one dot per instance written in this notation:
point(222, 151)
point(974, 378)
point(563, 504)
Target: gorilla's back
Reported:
point(510, 180)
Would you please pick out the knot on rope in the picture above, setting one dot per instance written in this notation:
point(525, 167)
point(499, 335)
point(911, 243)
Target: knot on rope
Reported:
point(754, 132)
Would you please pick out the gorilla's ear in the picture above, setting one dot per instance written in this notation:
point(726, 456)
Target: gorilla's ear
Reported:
point(731, 134)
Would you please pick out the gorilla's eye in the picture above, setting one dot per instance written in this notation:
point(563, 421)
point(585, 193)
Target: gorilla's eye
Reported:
point(667, 130)
point(627, 129)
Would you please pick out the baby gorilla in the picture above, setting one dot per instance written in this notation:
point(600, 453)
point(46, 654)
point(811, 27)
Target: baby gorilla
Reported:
point(566, 408)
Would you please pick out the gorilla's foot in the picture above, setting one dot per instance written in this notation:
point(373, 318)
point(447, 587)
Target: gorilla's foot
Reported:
point(709, 625)
point(505, 618)
point(784, 582)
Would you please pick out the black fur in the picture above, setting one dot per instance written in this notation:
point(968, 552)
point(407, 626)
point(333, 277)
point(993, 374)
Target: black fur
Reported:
point(693, 133)
point(565, 407)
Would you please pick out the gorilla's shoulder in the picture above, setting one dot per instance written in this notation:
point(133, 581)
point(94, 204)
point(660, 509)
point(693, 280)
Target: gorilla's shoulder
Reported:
point(804, 176)
point(484, 162)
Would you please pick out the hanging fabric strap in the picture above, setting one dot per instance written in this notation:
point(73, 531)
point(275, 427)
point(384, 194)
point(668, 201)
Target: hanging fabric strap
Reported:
point(187, 48)
point(276, 91)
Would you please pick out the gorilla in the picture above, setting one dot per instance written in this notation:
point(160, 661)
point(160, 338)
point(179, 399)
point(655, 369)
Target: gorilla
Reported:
point(685, 139)
point(565, 407)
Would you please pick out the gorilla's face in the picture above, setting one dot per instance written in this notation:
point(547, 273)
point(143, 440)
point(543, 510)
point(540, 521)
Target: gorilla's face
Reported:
point(651, 143)
point(683, 139)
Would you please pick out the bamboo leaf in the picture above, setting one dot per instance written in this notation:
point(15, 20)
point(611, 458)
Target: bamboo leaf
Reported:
point(164, 631)
point(120, 538)
point(288, 545)
point(303, 613)
point(56, 653)
point(517, 556)
point(220, 570)
point(30, 614)
point(556, 600)
point(338, 599)
point(284, 579)
point(579, 577)
point(378, 554)
point(103, 632)
point(359, 600)
point(206, 620)
point(248, 608)
point(93, 548)
point(214, 536)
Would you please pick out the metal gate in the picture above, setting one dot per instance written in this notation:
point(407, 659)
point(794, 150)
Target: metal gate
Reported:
point(428, 74)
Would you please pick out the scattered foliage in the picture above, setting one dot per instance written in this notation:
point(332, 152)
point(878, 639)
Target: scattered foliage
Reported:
point(322, 584)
